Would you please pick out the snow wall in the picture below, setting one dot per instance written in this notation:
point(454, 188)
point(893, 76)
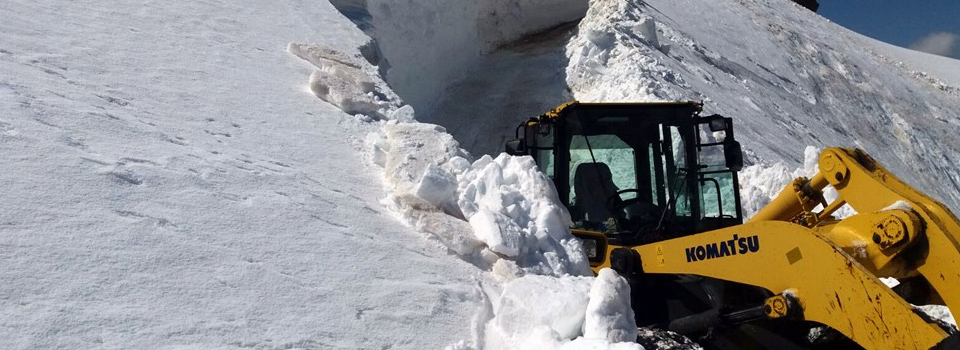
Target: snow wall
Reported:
point(424, 46)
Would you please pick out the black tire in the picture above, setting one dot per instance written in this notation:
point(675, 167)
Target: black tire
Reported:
point(950, 343)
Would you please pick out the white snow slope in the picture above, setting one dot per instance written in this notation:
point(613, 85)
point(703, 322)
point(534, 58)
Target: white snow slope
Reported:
point(169, 182)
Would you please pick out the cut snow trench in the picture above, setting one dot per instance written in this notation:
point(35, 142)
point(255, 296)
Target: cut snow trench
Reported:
point(477, 69)
point(499, 213)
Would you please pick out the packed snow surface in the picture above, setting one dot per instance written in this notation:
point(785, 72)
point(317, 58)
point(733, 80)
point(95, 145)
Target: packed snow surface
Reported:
point(172, 180)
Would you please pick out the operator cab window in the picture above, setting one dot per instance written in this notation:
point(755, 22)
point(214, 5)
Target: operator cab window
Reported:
point(600, 166)
point(545, 151)
point(716, 183)
point(674, 160)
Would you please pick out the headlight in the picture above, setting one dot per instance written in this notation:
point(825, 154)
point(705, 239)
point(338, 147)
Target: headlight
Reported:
point(590, 247)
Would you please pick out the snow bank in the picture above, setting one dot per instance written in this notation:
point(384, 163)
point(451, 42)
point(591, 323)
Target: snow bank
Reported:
point(503, 215)
point(539, 312)
point(499, 213)
point(609, 314)
point(615, 47)
point(511, 207)
point(346, 81)
point(169, 182)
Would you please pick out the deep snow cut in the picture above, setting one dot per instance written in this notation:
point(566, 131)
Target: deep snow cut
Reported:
point(642, 54)
point(517, 229)
point(426, 46)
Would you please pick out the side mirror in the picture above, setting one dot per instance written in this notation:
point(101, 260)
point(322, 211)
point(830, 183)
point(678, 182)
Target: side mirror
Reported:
point(733, 155)
point(515, 147)
point(717, 123)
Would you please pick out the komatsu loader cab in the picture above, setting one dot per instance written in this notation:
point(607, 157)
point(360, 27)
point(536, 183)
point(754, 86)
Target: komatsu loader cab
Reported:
point(638, 172)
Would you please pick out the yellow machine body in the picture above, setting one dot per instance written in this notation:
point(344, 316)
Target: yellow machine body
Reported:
point(819, 268)
point(832, 266)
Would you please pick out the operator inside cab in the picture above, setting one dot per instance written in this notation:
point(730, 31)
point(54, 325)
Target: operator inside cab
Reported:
point(630, 171)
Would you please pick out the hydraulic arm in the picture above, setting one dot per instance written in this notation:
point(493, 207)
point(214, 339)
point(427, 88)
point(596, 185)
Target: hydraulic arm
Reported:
point(827, 270)
point(899, 232)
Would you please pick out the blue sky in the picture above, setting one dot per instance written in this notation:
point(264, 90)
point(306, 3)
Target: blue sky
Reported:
point(926, 25)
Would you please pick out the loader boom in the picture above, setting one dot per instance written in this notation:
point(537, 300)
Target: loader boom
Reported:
point(924, 240)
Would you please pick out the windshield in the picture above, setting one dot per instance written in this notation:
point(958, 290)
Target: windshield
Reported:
point(611, 163)
point(636, 164)
point(610, 150)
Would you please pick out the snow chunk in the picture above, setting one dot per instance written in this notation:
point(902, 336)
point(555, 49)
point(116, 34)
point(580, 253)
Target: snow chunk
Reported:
point(416, 149)
point(609, 314)
point(760, 184)
point(451, 231)
point(556, 303)
point(898, 205)
point(499, 233)
point(437, 186)
point(890, 282)
point(511, 207)
point(646, 29)
point(346, 82)
point(514, 208)
point(540, 312)
point(938, 312)
point(377, 143)
point(403, 114)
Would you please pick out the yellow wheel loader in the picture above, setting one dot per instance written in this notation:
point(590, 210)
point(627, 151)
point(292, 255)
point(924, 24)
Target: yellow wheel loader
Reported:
point(653, 192)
